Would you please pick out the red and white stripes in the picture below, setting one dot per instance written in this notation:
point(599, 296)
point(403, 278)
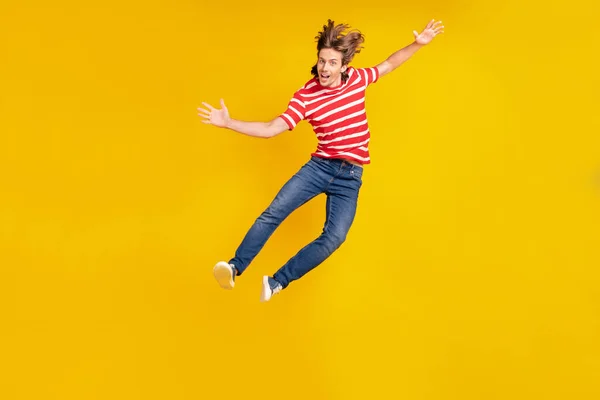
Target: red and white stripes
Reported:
point(338, 115)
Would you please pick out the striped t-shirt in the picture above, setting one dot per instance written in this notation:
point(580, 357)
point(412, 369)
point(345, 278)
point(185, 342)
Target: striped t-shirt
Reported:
point(337, 115)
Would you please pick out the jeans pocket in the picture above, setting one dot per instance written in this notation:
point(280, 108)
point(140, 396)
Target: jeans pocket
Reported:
point(356, 174)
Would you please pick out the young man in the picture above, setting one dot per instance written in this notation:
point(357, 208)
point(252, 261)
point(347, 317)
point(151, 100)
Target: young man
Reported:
point(333, 102)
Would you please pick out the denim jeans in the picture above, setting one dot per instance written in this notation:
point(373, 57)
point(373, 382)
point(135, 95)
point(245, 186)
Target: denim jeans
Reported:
point(341, 182)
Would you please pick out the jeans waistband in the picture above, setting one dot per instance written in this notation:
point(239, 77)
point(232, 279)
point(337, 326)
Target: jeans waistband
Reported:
point(336, 161)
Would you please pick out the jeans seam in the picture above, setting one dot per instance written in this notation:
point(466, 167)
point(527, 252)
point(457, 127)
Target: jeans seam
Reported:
point(335, 174)
point(327, 216)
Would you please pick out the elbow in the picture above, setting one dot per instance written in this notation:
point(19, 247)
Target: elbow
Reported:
point(274, 128)
point(267, 134)
point(270, 131)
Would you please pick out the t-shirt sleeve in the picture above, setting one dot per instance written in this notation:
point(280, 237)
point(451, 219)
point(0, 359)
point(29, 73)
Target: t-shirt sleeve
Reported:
point(294, 112)
point(370, 75)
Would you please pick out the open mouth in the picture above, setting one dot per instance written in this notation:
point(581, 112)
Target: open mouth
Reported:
point(324, 76)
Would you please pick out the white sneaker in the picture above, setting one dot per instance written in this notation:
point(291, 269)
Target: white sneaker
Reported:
point(269, 287)
point(225, 274)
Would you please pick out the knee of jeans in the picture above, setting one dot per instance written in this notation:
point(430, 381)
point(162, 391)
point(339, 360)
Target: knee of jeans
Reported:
point(271, 215)
point(335, 239)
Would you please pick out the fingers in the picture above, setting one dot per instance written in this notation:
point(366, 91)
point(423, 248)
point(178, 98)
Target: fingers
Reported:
point(433, 27)
point(211, 108)
point(433, 24)
point(202, 110)
point(438, 28)
point(204, 114)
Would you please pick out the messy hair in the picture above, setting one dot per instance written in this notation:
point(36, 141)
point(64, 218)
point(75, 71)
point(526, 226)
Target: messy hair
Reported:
point(333, 37)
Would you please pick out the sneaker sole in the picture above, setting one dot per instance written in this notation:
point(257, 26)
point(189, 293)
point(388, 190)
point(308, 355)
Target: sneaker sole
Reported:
point(265, 293)
point(224, 275)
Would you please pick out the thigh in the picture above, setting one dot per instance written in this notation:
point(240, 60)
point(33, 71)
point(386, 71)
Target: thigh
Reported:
point(341, 210)
point(342, 202)
point(300, 188)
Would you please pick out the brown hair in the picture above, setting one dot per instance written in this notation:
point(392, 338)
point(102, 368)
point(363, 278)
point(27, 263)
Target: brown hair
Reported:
point(333, 37)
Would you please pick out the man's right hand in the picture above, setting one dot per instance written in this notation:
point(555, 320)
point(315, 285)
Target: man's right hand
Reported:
point(213, 116)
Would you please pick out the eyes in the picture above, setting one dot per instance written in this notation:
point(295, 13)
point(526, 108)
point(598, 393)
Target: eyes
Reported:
point(331, 62)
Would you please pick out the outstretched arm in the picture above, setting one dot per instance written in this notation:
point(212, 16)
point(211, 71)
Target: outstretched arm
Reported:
point(221, 119)
point(432, 29)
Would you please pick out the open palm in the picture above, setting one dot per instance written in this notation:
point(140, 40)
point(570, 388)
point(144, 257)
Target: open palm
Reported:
point(214, 116)
point(432, 29)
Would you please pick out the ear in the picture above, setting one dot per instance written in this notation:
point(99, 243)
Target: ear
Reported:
point(344, 68)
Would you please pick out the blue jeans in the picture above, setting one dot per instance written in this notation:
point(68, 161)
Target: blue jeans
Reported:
point(341, 182)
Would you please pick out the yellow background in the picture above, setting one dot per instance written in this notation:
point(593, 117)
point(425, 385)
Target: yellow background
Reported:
point(471, 271)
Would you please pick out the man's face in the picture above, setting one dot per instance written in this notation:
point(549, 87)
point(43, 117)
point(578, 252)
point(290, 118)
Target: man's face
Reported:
point(330, 68)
